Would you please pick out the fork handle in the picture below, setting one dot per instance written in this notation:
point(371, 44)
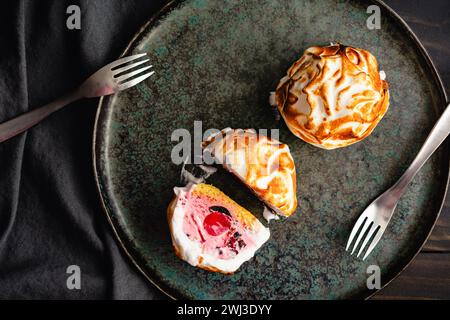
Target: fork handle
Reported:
point(15, 126)
point(436, 137)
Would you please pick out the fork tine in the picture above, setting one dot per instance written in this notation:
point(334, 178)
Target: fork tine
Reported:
point(131, 66)
point(131, 74)
point(374, 242)
point(364, 229)
point(355, 230)
point(126, 59)
point(371, 232)
point(135, 81)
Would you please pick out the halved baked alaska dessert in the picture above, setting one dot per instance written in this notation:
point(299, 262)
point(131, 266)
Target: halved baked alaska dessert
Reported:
point(263, 164)
point(333, 96)
point(211, 231)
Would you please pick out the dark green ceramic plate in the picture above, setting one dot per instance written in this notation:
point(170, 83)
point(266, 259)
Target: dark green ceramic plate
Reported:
point(217, 61)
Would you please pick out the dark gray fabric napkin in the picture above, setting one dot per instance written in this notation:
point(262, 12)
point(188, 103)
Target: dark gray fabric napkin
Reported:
point(50, 214)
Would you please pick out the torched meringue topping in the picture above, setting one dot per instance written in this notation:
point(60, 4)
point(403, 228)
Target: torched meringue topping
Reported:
point(265, 165)
point(333, 96)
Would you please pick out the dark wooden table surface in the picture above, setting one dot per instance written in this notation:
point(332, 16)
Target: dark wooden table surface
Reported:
point(428, 276)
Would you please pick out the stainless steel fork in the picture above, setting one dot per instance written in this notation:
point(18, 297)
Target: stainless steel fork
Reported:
point(373, 221)
point(116, 76)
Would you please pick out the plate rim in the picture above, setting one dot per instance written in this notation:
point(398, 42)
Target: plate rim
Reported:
point(173, 4)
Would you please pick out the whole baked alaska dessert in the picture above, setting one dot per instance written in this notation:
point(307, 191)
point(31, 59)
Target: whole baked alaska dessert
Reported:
point(263, 164)
point(211, 231)
point(333, 96)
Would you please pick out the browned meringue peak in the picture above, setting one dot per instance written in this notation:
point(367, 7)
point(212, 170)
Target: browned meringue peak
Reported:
point(265, 165)
point(333, 96)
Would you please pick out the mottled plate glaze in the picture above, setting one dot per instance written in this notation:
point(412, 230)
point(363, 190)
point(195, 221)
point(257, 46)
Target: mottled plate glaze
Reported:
point(217, 61)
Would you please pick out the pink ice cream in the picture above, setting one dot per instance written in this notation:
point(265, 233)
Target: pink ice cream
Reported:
point(214, 227)
point(211, 231)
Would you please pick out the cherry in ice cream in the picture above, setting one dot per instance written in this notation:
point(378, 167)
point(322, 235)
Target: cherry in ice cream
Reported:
point(217, 222)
